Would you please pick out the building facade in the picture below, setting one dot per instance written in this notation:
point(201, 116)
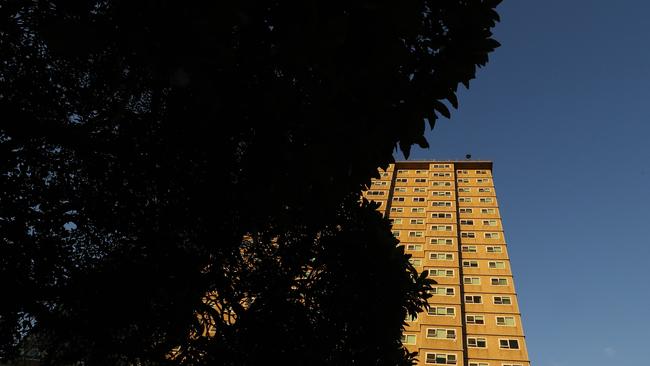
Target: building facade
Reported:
point(446, 215)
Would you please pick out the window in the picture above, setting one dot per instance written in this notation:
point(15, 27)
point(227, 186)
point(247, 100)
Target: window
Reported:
point(497, 265)
point(491, 235)
point(397, 209)
point(465, 210)
point(507, 321)
point(409, 338)
point(441, 204)
point(441, 311)
point(441, 215)
point(465, 199)
point(473, 299)
point(502, 300)
point(463, 180)
point(470, 264)
point(398, 199)
point(420, 171)
point(471, 281)
point(490, 222)
point(468, 248)
point(400, 189)
point(401, 171)
point(441, 184)
point(420, 180)
point(441, 272)
point(441, 241)
point(419, 189)
point(416, 262)
point(485, 190)
point(441, 227)
point(418, 199)
point(441, 333)
point(417, 247)
point(417, 209)
point(511, 364)
point(468, 235)
point(481, 172)
point(482, 180)
point(487, 210)
point(479, 364)
point(499, 281)
point(442, 174)
point(415, 234)
point(439, 359)
point(416, 221)
point(376, 193)
point(474, 319)
point(463, 190)
point(461, 171)
point(395, 221)
point(440, 166)
point(379, 183)
point(441, 193)
point(401, 180)
point(467, 222)
point(441, 256)
point(508, 344)
point(396, 233)
point(442, 291)
point(493, 249)
point(476, 342)
point(486, 200)
point(385, 174)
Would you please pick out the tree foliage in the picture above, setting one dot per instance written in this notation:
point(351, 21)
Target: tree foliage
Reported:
point(171, 171)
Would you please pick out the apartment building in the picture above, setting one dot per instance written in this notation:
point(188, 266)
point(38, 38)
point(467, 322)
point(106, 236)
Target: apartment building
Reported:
point(446, 215)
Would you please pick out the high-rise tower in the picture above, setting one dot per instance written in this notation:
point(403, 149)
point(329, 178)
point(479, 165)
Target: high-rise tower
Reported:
point(446, 215)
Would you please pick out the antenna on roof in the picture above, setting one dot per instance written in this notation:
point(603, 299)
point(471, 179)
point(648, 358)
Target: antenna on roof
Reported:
point(468, 156)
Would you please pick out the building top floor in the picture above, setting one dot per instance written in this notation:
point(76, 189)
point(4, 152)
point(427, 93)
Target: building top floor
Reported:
point(441, 164)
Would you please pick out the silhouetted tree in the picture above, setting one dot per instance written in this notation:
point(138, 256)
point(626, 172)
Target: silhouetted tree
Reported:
point(186, 177)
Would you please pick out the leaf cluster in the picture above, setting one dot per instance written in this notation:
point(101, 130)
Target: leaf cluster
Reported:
point(186, 177)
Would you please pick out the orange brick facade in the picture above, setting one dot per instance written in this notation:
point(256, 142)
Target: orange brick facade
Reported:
point(446, 214)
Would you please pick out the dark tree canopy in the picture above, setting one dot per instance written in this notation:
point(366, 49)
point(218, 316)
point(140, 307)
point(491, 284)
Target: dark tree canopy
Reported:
point(186, 177)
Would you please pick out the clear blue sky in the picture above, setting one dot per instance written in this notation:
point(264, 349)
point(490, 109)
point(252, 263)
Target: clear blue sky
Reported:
point(563, 109)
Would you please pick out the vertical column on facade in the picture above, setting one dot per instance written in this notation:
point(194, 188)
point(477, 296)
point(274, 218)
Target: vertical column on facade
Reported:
point(442, 335)
point(408, 216)
point(492, 316)
point(460, 270)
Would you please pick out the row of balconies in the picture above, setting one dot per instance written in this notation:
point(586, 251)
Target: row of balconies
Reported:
point(431, 183)
point(469, 237)
point(492, 323)
point(497, 265)
point(492, 351)
point(428, 212)
point(454, 181)
point(432, 169)
point(474, 203)
point(493, 224)
point(503, 323)
point(489, 302)
point(485, 285)
point(406, 204)
point(474, 251)
point(409, 191)
point(479, 346)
